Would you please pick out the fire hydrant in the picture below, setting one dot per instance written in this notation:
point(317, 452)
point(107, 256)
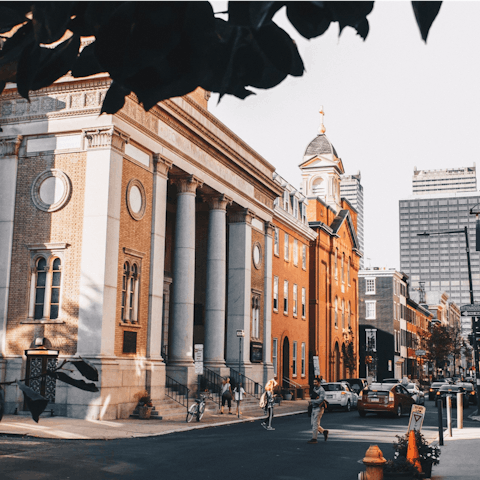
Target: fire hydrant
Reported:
point(374, 462)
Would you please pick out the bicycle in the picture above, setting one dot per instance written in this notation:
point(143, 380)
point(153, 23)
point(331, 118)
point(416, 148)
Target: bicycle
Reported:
point(197, 409)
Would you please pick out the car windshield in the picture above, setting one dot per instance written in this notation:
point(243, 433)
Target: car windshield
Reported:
point(332, 387)
point(411, 386)
point(437, 384)
point(449, 388)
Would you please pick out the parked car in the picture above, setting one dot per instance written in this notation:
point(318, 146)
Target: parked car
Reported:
point(432, 391)
point(417, 394)
point(339, 395)
point(356, 384)
point(451, 391)
point(391, 398)
point(391, 380)
point(469, 391)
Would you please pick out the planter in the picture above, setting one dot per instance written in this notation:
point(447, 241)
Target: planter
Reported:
point(144, 412)
point(397, 476)
point(287, 396)
point(427, 469)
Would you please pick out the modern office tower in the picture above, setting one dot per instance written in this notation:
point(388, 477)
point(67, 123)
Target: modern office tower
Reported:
point(352, 190)
point(440, 260)
point(449, 180)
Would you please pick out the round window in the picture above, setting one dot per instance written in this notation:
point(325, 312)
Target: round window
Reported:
point(136, 199)
point(257, 255)
point(51, 190)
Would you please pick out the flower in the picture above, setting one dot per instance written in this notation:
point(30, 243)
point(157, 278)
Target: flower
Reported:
point(401, 464)
point(426, 451)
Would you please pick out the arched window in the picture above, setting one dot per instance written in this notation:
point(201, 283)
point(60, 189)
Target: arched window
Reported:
point(130, 292)
point(347, 314)
point(55, 289)
point(255, 316)
point(343, 314)
point(336, 263)
point(343, 268)
point(351, 314)
point(348, 269)
point(336, 312)
point(40, 288)
point(126, 271)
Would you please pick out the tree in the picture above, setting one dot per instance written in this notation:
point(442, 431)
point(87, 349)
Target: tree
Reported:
point(160, 50)
point(457, 343)
point(437, 345)
point(348, 352)
point(35, 402)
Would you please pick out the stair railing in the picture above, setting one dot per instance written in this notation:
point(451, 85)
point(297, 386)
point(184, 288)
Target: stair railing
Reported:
point(250, 386)
point(212, 382)
point(176, 391)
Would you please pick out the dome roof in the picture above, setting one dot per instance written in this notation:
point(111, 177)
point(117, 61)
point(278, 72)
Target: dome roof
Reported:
point(319, 146)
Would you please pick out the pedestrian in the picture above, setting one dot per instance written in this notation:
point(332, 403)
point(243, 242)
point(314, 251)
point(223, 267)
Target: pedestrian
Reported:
point(226, 395)
point(270, 403)
point(239, 392)
point(317, 399)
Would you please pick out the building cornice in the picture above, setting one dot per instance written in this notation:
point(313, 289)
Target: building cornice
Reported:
point(294, 224)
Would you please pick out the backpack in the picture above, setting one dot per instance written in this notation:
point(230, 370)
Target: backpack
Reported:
point(263, 400)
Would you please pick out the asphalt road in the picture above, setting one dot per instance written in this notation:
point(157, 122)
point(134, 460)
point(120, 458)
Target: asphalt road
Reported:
point(241, 451)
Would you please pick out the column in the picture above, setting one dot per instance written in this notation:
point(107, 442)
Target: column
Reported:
point(239, 284)
point(100, 241)
point(181, 327)
point(215, 291)
point(9, 148)
point(157, 257)
point(267, 304)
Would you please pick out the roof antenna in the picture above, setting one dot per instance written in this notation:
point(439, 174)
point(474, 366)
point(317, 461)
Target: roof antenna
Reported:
point(321, 129)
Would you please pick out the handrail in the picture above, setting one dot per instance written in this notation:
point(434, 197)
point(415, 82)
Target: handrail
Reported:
point(176, 391)
point(212, 382)
point(295, 384)
point(250, 386)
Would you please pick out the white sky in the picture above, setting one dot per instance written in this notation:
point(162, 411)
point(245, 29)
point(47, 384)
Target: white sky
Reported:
point(391, 103)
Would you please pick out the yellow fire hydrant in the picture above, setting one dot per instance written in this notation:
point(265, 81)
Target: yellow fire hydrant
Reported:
point(374, 462)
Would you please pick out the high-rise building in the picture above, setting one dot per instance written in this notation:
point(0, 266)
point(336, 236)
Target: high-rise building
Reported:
point(352, 190)
point(449, 180)
point(440, 260)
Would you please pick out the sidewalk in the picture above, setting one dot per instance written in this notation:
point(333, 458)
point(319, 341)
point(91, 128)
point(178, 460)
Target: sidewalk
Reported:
point(77, 429)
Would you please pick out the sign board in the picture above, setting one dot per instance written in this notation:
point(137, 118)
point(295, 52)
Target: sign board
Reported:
point(420, 353)
point(240, 333)
point(316, 366)
point(416, 418)
point(198, 358)
point(470, 310)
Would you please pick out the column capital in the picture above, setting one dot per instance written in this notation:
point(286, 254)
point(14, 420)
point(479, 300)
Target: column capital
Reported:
point(105, 137)
point(269, 229)
point(241, 215)
point(161, 164)
point(217, 201)
point(10, 146)
point(186, 183)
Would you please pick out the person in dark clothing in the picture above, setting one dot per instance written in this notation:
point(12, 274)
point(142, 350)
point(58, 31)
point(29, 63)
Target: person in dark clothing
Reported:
point(317, 400)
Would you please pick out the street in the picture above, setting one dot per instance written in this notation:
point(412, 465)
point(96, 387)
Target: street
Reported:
point(237, 451)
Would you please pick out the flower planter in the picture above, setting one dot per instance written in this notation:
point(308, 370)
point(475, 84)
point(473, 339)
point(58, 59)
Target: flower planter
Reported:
point(287, 396)
point(144, 412)
point(427, 469)
point(397, 476)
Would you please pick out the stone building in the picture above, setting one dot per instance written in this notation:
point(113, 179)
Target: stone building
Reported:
point(334, 262)
point(291, 270)
point(126, 240)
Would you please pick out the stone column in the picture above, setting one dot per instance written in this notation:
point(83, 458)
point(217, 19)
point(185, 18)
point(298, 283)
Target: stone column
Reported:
point(215, 291)
point(157, 257)
point(181, 327)
point(267, 304)
point(9, 148)
point(100, 242)
point(239, 285)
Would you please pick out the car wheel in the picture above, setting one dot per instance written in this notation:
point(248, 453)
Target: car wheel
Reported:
point(362, 413)
point(399, 411)
point(348, 408)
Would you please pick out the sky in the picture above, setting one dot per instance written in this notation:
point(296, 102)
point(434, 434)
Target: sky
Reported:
point(391, 103)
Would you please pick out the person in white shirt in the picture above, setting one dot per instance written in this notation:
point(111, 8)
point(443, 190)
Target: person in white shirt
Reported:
point(238, 393)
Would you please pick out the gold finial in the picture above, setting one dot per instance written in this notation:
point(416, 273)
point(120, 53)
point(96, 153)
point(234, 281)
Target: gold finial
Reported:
point(321, 129)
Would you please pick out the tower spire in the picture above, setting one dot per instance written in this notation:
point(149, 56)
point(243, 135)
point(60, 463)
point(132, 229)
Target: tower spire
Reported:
point(321, 129)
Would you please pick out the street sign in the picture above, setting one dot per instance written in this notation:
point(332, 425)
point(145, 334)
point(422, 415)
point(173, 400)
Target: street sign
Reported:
point(472, 310)
point(416, 418)
point(240, 333)
point(420, 353)
point(316, 366)
point(198, 357)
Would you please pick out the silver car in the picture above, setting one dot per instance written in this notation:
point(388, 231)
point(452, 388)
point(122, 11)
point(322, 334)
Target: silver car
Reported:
point(417, 394)
point(340, 395)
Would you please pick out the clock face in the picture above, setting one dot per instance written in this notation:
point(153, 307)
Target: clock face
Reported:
point(257, 255)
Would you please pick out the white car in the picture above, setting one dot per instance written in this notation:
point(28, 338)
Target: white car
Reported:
point(417, 395)
point(339, 395)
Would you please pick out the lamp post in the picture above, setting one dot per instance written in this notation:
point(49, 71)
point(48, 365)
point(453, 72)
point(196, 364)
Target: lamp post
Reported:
point(470, 286)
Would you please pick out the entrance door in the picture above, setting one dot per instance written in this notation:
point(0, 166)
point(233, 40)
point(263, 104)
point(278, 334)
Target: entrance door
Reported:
point(286, 359)
point(36, 365)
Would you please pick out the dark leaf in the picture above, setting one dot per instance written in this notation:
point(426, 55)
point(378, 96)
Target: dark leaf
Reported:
point(87, 369)
point(2, 403)
point(91, 16)
point(115, 98)
point(56, 62)
point(352, 14)
point(425, 14)
point(12, 50)
point(311, 19)
point(27, 68)
point(2, 86)
point(86, 63)
point(81, 384)
point(11, 15)
point(50, 20)
point(252, 14)
point(35, 402)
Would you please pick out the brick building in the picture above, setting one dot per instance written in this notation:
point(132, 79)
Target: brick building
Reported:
point(290, 270)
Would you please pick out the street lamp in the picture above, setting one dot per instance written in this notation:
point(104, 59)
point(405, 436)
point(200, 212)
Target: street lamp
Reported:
point(474, 320)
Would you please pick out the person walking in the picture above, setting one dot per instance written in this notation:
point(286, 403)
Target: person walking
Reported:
point(238, 393)
point(317, 399)
point(270, 403)
point(226, 392)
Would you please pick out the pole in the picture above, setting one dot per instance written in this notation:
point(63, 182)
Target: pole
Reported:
point(460, 410)
point(440, 421)
point(449, 414)
point(239, 375)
